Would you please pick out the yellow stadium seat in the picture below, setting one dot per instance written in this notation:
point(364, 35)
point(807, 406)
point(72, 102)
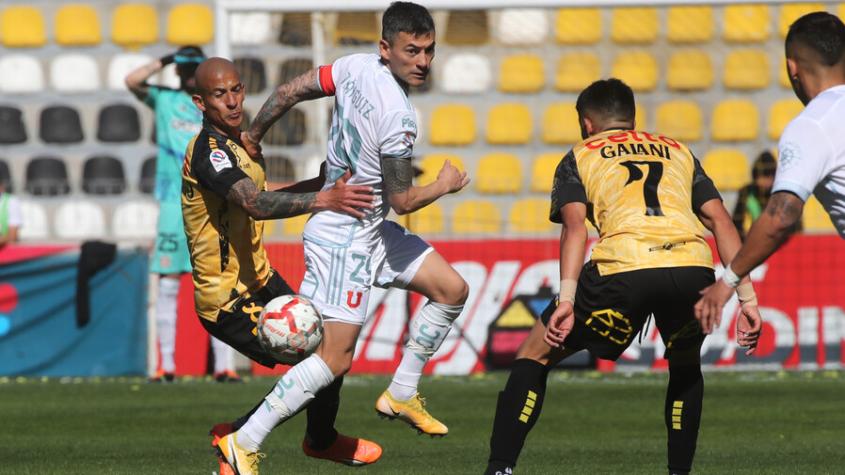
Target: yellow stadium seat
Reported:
point(294, 226)
point(355, 28)
point(509, 124)
point(578, 26)
point(560, 124)
point(530, 215)
point(575, 71)
point(431, 165)
point(269, 227)
point(735, 119)
point(22, 27)
point(543, 171)
point(77, 25)
point(499, 173)
point(640, 121)
point(688, 24)
point(190, 24)
point(793, 11)
point(134, 25)
point(637, 68)
point(452, 124)
point(634, 25)
point(521, 73)
point(467, 28)
point(476, 217)
point(746, 69)
point(428, 220)
point(815, 218)
point(841, 11)
point(728, 168)
point(690, 70)
point(781, 113)
point(783, 75)
point(746, 23)
point(680, 119)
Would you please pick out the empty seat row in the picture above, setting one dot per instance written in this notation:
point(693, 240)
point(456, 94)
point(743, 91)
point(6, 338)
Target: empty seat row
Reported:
point(79, 219)
point(133, 25)
point(62, 125)
point(101, 175)
point(513, 123)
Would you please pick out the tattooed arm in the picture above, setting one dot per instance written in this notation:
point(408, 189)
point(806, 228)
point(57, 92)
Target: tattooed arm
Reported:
point(406, 198)
point(343, 198)
point(301, 88)
point(769, 232)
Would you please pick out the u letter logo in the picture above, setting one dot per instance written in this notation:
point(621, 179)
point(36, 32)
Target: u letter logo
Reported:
point(357, 302)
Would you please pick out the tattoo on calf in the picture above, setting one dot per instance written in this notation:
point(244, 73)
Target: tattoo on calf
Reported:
point(398, 174)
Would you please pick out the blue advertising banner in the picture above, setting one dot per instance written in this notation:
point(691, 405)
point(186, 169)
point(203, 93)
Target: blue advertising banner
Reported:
point(38, 329)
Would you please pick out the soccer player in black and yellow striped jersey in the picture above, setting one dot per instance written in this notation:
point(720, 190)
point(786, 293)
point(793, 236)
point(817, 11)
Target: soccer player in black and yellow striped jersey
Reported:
point(647, 195)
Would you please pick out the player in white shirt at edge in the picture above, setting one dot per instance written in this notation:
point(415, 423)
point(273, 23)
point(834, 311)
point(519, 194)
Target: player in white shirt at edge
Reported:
point(811, 150)
point(372, 135)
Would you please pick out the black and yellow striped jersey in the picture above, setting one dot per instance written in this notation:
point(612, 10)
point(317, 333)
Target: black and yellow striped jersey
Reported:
point(227, 254)
point(642, 193)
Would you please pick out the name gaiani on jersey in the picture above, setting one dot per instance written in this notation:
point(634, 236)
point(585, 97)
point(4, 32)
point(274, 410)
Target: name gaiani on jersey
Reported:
point(632, 142)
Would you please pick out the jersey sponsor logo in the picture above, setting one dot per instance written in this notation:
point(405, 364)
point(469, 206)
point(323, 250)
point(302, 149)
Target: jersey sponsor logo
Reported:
point(631, 135)
point(219, 160)
point(790, 155)
point(409, 124)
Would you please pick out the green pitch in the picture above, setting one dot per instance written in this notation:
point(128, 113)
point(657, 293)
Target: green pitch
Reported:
point(591, 423)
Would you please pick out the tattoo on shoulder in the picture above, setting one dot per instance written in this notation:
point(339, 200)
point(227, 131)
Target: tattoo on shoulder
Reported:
point(398, 174)
point(785, 207)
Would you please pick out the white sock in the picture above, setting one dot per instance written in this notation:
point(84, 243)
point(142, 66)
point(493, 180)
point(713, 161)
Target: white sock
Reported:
point(427, 333)
point(222, 355)
point(168, 290)
point(292, 392)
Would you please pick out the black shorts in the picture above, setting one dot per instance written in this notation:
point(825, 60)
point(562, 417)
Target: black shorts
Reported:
point(611, 310)
point(237, 327)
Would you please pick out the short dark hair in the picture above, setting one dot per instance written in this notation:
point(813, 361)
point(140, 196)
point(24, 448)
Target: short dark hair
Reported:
point(607, 99)
point(821, 32)
point(405, 17)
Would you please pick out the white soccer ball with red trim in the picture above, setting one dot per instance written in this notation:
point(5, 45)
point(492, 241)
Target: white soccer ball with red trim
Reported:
point(290, 328)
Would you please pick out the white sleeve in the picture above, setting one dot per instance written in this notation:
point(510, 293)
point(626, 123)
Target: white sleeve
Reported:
point(15, 214)
point(397, 134)
point(803, 156)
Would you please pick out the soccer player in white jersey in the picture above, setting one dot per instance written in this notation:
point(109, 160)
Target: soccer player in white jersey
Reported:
point(811, 149)
point(372, 135)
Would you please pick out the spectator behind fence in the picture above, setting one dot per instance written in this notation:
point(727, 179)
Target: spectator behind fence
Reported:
point(11, 217)
point(753, 197)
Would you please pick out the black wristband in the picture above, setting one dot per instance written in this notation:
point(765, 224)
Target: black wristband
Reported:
point(165, 60)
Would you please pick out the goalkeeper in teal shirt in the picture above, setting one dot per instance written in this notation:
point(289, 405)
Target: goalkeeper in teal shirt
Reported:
point(177, 121)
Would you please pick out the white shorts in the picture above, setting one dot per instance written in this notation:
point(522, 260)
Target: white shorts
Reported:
point(338, 276)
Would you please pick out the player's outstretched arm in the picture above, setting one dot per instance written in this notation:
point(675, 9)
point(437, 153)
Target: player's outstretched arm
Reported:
point(708, 310)
point(259, 204)
point(301, 88)
point(136, 80)
point(573, 241)
point(406, 198)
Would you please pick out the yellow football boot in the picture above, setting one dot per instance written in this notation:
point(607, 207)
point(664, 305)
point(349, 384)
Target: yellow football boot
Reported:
point(241, 461)
point(411, 411)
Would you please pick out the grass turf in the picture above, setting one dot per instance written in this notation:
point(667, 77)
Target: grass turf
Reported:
point(591, 423)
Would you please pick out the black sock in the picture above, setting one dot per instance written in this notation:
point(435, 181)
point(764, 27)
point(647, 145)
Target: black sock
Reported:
point(321, 413)
point(683, 415)
point(517, 411)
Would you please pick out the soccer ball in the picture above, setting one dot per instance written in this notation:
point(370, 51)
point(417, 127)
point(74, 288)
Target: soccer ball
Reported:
point(290, 328)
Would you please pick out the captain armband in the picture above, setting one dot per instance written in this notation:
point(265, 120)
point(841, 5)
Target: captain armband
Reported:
point(746, 295)
point(567, 290)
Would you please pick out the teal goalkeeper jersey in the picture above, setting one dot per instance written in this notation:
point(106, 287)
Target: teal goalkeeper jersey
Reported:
point(177, 121)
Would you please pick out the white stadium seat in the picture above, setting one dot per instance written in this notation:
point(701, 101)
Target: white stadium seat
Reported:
point(522, 26)
point(121, 65)
point(168, 78)
point(74, 72)
point(135, 220)
point(79, 220)
point(20, 73)
point(466, 73)
point(250, 28)
point(35, 222)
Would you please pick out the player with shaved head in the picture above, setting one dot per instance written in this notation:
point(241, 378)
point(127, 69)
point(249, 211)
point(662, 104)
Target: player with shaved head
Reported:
point(224, 202)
